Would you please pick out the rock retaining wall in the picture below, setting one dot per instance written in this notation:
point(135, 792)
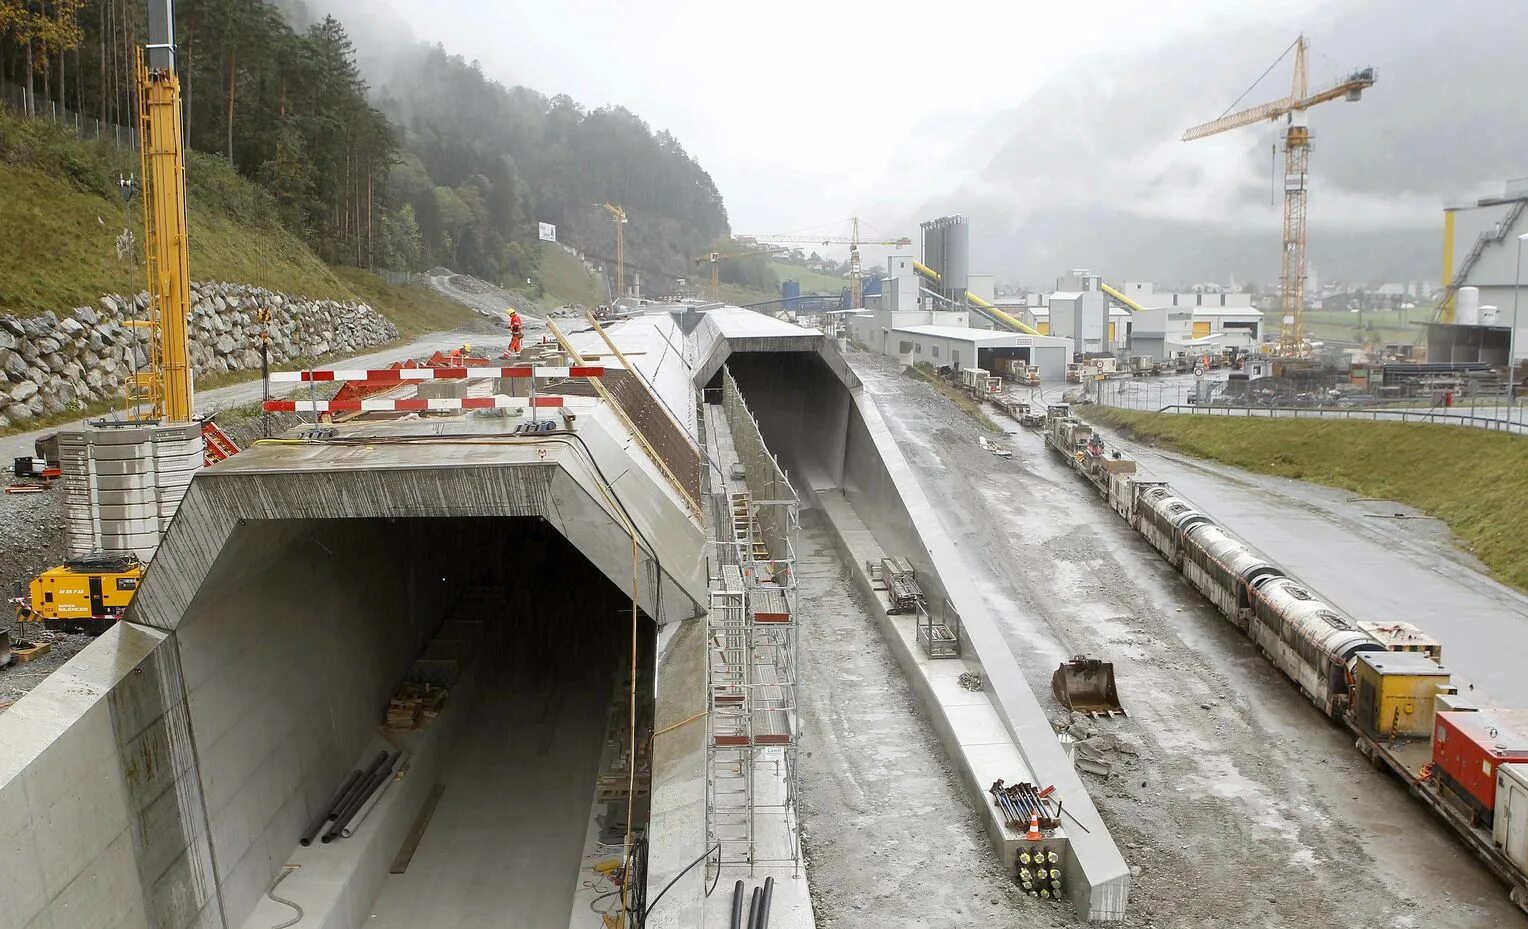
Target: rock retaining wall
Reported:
point(50, 364)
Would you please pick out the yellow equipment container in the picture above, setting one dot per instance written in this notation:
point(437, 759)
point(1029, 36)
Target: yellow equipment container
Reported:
point(85, 592)
point(1396, 693)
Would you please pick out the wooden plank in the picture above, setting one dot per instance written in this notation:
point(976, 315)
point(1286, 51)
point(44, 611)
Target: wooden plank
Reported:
point(421, 823)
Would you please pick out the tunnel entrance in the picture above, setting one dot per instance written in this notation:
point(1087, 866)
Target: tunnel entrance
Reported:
point(802, 409)
point(295, 651)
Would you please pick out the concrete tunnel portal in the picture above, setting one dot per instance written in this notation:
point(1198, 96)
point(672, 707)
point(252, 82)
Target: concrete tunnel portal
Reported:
point(305, 585)
point(310, 625)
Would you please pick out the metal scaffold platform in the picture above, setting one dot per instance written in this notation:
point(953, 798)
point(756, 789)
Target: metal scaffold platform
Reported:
point(752, 735)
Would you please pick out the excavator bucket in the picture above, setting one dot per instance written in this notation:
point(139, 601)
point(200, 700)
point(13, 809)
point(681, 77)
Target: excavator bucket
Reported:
point(1086, 685)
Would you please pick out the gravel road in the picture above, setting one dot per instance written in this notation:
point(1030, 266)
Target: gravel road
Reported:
point(1241, 805)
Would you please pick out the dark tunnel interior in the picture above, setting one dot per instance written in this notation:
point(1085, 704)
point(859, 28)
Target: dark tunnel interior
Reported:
point(304, 630)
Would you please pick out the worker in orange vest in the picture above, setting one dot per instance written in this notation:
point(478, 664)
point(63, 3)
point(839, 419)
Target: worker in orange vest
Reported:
point(516, 331)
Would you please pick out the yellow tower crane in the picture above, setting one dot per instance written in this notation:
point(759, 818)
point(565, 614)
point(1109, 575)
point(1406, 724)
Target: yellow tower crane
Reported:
point(1296, 164)
point(166, 385)
point(618, 216)
point(853, 240)
point(715, 259)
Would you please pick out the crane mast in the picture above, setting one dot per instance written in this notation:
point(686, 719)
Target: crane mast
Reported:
point(618, 216)
point(1296, 174)
point(166, 385)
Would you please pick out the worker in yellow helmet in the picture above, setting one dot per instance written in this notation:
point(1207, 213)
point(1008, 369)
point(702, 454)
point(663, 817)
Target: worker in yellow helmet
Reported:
point(516, 331)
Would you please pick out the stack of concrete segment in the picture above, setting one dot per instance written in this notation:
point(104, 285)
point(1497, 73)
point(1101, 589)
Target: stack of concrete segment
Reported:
point(123, 483)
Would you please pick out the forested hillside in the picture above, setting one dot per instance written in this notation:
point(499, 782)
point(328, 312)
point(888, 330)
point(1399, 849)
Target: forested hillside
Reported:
point(434, 165)
point(482, 164)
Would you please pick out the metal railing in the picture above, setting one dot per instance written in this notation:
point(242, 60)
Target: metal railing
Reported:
point(1373, 414)
point(1478, 412)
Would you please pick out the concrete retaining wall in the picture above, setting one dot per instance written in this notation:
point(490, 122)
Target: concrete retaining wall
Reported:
point(102, 820)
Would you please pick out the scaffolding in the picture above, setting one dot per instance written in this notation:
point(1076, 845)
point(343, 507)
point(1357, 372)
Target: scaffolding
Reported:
point(752, 736)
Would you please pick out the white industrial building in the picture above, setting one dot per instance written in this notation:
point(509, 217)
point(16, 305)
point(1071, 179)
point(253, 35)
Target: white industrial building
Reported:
point(1174, 323)
point(956, 347)
point(1483, 240)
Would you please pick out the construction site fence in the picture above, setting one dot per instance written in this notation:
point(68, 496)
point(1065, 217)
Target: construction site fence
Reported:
point(14, 97)
point(1490, 412)
point(1514, 426)
point(767, 483)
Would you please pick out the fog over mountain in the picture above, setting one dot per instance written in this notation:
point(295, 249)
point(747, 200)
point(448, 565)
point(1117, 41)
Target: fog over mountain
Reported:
point(1090, 170)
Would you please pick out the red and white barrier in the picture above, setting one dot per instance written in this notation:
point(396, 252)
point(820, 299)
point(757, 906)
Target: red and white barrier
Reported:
point(433, 374)
point(422, 405)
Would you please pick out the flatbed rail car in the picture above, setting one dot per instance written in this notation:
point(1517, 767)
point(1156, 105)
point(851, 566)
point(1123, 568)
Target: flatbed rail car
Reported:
point(1411, 761)
point(1317, 647)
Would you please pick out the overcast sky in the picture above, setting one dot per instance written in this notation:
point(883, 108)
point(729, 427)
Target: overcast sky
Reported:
point(808, 112)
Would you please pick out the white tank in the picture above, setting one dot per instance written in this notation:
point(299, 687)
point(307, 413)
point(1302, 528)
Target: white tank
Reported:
point(1489, 315)
point(1467, 306)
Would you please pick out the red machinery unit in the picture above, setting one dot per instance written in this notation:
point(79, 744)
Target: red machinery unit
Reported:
point(1467, 747)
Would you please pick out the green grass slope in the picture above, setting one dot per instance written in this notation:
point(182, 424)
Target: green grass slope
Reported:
point(564, 279)
point(811, 281)
point(1472, 479)
point(63, 214)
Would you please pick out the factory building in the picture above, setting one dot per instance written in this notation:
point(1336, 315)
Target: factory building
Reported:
point(955, 348)
point(1038, 315)
point(874, 329)
point(1175, 323)
point(1080, 310)
point(1476, 321)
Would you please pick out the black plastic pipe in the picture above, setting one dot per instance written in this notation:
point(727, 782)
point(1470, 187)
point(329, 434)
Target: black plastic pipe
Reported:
point(359, 797)
point(737, 906)
point(769, 896)
point(753, 907)
point(356, 788)
point(366, 772)
point(311, 833)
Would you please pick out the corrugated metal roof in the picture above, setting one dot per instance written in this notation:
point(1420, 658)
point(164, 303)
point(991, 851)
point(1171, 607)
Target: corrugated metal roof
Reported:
point(982, 336)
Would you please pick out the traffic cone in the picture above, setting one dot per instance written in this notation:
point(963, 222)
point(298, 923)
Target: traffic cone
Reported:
point(1034, 834)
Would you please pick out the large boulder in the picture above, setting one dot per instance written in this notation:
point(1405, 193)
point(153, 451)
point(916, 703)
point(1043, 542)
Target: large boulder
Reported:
point(24, 391)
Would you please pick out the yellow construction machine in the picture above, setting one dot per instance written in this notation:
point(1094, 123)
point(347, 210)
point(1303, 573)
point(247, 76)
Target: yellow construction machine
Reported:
point(91, 592)
point(86, 594)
